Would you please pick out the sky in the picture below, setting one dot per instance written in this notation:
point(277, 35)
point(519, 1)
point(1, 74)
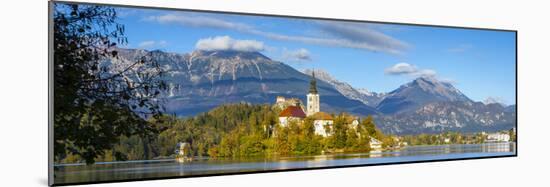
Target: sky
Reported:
point(374, 56)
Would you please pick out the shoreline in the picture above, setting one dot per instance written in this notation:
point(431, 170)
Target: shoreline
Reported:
point(286, 157)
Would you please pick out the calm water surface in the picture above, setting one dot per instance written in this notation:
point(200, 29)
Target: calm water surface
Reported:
point(107, 171)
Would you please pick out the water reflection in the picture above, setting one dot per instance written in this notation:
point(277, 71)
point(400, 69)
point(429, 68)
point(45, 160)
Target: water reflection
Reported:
point(168, 167)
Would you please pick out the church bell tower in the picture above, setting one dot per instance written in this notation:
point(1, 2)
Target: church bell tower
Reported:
point(312, 97)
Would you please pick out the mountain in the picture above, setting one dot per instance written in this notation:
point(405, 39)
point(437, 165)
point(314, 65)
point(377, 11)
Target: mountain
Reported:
point(417, 93)
point(202, 80)
point(461, 116)
point(510, 108)
point(427, 105)
point(368, 98)
point(373, 98)
point(494, 100)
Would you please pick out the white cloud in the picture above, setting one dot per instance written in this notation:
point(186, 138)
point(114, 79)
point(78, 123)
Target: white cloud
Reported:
point(299, 54)
point(197, 21)
point(425, 73)
point(341, 34)
point(406, 69)
point(410, 70)
point(152, 44)
point(364, 36)
point(228, 43)
point(400, 68)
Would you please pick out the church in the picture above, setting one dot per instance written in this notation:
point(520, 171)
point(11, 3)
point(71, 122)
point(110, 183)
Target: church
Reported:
point(293, 110)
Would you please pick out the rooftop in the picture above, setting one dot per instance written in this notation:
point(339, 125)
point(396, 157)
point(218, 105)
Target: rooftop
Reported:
point(293, 111)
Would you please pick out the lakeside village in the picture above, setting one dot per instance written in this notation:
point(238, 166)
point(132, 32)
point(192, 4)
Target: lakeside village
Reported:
point(293, 111)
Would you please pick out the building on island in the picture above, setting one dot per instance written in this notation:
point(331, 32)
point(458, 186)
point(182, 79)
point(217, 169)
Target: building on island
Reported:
point(291, 113)
point(320, 121)
point(183, 152)
point(293, 110)
point(375, 144)
point(183, 148)
point(312, 97)
point(498, 137)
point(283, 102)
point(352, 121)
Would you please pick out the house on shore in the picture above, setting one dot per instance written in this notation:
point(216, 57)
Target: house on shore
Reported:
point(375, 144)
point(498, 137)
point(183, 152)
point(320, 121)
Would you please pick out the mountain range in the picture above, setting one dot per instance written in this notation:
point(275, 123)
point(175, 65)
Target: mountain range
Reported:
point(417, 93)
point(201, 80)
point(362, 94)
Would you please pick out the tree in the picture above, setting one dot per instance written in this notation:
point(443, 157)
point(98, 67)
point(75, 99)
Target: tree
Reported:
point(352, 139)
point(512, 134)
point(282, 144)
point(96, 102)
point(339, 135)
point(229, 145)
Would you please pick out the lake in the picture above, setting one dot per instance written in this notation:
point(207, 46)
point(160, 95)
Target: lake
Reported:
point(108, 171)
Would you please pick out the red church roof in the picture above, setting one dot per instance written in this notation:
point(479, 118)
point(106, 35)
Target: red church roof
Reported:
point(293, 111)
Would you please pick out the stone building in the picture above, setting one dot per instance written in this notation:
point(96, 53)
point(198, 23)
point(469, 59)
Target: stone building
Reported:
point(312, 97)
point(293, 110)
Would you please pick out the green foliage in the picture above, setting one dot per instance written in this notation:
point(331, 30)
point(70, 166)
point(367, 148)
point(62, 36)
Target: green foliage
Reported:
point(339, 135)
point(282, 144)
point(445, 138)
point(512, 134)
point(95, 104)
point(302, 139)
point(370, 128)
point(226, 131)
point(242, 130)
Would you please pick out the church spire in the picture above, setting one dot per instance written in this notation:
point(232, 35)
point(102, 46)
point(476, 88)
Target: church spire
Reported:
point(313, 96)
point(313, 84)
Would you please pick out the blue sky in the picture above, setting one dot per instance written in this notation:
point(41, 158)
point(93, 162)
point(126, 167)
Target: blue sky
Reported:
point(378, 57)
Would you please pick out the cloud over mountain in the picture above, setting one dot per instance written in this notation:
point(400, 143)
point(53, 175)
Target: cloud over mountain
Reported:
point(228, 43)
point(346, 35)
point(298, 54)
point(409, 69)
point(207, 79)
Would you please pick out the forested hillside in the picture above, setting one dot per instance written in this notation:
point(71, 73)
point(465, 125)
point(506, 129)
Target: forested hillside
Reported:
point(242, 130)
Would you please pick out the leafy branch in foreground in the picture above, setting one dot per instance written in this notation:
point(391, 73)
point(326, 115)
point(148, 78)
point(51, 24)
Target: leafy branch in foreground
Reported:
point(98, 97)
